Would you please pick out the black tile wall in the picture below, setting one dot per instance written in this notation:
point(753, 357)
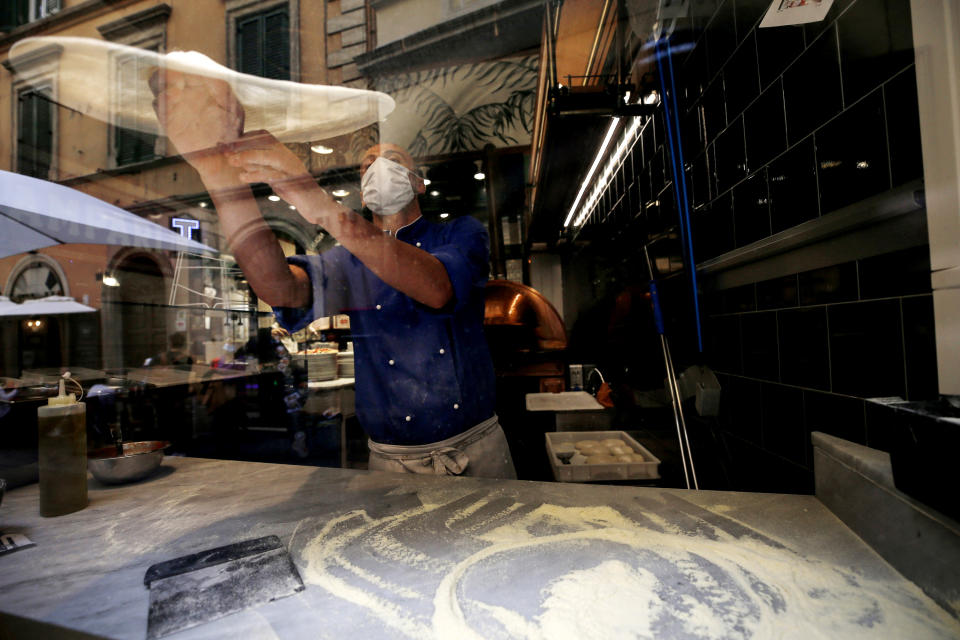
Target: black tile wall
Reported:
point(852, 155)
point(765, 127)
point(739, 299)
point(751, 209)
point(748, 15)
point(742, 78)
point(837, 283)
point(900, 273)
point(760, 358)
point(866, 354)
point(746, 411)
point(840, 416)
point(875, 42)
point(723, 343)
point(804, 356)
point(903, 127)
point(713, 109)
point(731, 156)
point(920, 347)
point(777, 48)
point(699, 181)
point(783, 427)
point(777, 293)
point(793, 187)
point(779, 127)
point(813, 29)
point(812, 87)
point(721, 36)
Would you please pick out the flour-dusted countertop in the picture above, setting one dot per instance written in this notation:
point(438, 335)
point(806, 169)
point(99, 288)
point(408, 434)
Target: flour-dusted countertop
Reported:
point(387, 556)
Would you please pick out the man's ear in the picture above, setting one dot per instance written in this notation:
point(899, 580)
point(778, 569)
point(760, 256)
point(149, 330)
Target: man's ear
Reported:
point(417, 183)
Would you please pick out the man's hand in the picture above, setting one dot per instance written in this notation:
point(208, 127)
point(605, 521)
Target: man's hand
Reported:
point(260, 157)
point(197, 113)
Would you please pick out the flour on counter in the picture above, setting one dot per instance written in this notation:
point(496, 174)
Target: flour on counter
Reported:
point(491, 568)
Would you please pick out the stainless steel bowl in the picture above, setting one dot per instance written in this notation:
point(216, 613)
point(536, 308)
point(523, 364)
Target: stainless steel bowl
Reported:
point(139, 460)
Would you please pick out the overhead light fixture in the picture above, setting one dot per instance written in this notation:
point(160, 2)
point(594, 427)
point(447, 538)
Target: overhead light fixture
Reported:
point(479, 175)
point(427, 182)
point(863, 164)
point(444, 215)
point(203, 205)
point(321, 149)
point(627, 141)
point(340, 193)
point(111, 281)
point(593, 167)
point(434, 193)
point(273, 197)
point(293, 208)
point(651, 98)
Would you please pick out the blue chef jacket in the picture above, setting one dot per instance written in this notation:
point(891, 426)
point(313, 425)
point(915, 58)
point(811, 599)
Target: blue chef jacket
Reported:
point(423, 375)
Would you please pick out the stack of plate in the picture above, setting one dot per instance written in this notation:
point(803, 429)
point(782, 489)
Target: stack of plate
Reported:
point(345, 364)
point(322, 366)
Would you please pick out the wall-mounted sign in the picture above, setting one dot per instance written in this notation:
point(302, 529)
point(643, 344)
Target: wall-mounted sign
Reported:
point(786, 12)
point(186, 227)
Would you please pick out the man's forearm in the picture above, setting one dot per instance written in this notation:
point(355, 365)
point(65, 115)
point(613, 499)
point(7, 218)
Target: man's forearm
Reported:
point(253, 243)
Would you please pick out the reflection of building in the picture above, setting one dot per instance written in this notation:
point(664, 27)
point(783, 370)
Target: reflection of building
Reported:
point(469, 121)
point(136, 171)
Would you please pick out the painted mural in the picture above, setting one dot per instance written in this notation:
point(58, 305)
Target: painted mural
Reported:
point(463, 107)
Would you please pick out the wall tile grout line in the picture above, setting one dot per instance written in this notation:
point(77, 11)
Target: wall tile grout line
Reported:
point(836, 40)
point(792, 386)
point(826, 314)
point(886, 134)
point(903, 350)
point(818, 305)
point(776, 326)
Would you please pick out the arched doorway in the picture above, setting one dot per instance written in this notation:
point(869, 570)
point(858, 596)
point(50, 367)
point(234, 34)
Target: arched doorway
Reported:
point(140, 298)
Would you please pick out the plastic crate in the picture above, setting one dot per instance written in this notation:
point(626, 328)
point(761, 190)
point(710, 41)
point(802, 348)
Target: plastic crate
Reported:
point(647, 470)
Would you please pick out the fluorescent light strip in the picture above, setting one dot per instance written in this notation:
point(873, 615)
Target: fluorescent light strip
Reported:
point(593, 167)
point(627, 142)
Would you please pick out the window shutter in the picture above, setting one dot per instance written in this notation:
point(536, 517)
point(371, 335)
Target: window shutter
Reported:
point(25, 124)
point(263, 44)
point(13, 13)
point(276, 46)
point(44, 134)
point(248, 46)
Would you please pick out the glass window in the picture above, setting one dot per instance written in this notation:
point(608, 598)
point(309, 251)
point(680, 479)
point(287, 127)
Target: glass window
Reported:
point(34, 132)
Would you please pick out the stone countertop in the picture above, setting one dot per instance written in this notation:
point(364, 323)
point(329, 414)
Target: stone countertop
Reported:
point(386, 555)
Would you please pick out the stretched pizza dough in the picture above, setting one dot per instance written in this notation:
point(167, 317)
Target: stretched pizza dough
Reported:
point(89, 83)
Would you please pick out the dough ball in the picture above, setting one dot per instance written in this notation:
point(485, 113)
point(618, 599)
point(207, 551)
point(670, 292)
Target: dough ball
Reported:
point(612, 442)
point(563, 447)
point(636, 457)
point(620, 450)
point(578, 459)
point(601, 459)
point(626, 457)
point(586, 443)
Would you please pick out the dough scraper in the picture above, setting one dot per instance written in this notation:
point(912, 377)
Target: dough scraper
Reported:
point(195, 589)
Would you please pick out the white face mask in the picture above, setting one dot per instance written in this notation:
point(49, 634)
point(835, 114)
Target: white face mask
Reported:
point(386, 187)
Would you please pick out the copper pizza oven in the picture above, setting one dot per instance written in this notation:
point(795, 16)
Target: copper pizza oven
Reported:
point(526, 335)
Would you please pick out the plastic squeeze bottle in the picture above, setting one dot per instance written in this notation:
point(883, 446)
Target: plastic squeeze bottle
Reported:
point(62, 452)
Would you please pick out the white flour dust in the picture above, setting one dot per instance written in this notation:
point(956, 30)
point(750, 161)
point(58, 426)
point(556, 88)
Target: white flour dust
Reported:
point(500, 569)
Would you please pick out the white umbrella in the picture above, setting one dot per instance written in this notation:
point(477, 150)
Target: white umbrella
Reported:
point(51, 305)
point(36, 213)
point(89, 83)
